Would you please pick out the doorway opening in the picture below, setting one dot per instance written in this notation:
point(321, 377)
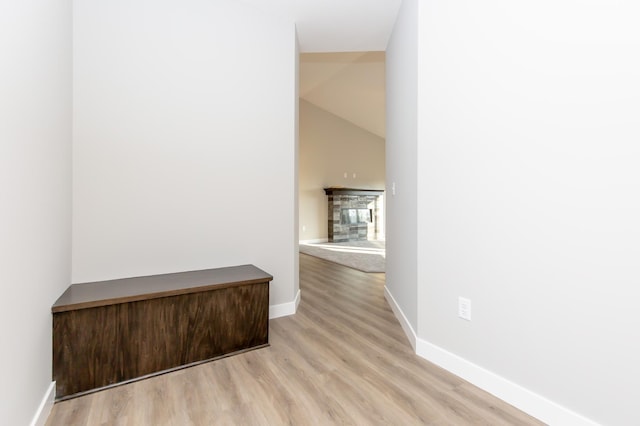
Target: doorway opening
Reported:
point(342, 154)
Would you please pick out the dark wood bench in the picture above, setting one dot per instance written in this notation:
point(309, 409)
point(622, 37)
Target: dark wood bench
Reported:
point(113, 332)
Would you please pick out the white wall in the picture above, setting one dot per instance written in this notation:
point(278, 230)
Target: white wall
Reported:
point(296, 188)
point(35, 192)
point(528, 204)
point(402, 166)
point(184, 140)
point(329, 147)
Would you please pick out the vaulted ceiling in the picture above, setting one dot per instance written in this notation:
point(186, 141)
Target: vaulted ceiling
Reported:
point(349, 85)
point(342, 44)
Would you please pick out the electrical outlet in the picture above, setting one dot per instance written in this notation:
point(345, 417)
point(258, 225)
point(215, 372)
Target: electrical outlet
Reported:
point(464, 308)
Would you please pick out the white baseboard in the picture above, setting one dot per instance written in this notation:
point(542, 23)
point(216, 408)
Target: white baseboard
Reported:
point(520, 397)
point(41, 416)
point(316, 241)
point(284, 309)
point(404, 322)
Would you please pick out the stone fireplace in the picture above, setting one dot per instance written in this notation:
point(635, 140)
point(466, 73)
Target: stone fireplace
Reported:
point(354, 214)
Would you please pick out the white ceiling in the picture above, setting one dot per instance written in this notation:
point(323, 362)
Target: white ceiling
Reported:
point(337, 25)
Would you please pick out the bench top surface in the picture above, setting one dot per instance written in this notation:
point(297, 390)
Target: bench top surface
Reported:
point(102, 293)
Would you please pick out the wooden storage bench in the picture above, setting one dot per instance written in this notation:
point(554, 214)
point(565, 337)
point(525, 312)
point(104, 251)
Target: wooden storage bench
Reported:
point(113, 332)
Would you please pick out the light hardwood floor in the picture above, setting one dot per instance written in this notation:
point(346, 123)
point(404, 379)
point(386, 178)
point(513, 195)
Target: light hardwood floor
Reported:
point(341, 359)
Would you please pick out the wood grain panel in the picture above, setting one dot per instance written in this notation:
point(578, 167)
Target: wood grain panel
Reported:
point(102, 293)
point(106, 345)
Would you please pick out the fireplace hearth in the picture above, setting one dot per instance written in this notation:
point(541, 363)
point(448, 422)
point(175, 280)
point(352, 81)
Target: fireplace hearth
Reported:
point(354, 214)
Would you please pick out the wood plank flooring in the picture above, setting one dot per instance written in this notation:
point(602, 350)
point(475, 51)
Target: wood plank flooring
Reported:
point(342, 359)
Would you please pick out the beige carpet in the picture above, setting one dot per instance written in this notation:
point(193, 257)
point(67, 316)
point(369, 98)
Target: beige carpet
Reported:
point(366, 256)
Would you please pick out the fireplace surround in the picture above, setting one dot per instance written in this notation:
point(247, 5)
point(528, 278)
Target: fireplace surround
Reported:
point(354, 214)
